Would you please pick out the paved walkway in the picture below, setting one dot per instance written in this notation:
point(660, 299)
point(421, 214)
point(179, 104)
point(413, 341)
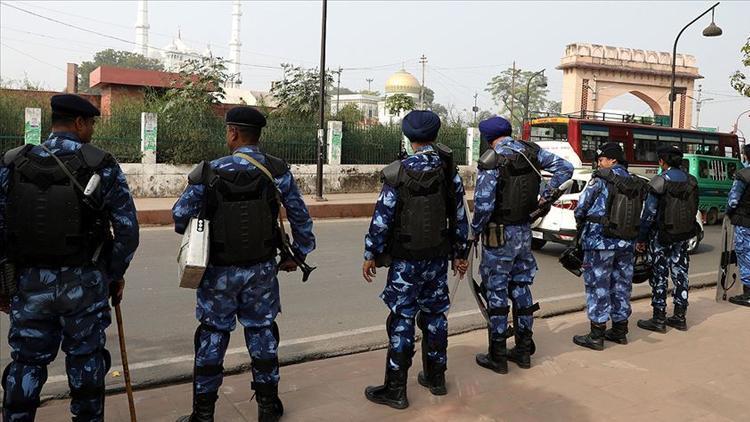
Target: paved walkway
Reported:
point(701, 374)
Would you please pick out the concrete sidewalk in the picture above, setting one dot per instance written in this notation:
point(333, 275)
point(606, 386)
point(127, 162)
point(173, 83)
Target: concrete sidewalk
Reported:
point(158, 211)
point(701, 374)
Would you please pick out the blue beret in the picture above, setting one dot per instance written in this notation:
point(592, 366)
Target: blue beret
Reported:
point(245, 116)
point(421, 125)
point(70, 105)
point(611, 150)
point(493, 128)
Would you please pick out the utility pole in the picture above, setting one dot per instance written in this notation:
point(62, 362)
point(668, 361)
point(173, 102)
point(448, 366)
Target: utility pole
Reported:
point(423, 61)
point(338, 89)
point(475, 108)
point(369, 84)
point(512, 92)
point(322, 127)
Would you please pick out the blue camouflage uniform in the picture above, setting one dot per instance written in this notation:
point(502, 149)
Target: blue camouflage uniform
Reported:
point(607, 262)
point(248, 293)
point(511, 267)
point(68, 305)
point(741, 234)
point(419, 285)
point(667, 258)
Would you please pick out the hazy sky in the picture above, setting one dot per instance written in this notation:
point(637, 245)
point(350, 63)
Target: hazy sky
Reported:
point(466, 43)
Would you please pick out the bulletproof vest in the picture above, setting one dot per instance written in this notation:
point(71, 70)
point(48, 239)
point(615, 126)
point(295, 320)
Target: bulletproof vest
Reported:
point(421, 228)
point(678, 204)
point(49, 222)
point(741, 215)
point(243, 210)
point(622, 215)
point(516, 195)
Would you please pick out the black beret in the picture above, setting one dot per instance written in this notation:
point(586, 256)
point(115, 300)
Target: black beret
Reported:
point(70, 105)
point(246, 117)
point(669, 150)
point(421, 125)
point(611, 150)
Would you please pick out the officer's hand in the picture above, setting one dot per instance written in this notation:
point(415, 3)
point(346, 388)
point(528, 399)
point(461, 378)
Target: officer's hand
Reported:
point(4, 304)
point(288, 265)
point(369, 270)
point(116, 289)
point(640, 247)
point(460, 266)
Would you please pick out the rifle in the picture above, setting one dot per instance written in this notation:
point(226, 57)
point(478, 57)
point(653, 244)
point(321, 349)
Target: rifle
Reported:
point(546, 205)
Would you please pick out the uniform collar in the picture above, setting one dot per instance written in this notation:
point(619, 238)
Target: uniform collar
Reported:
point(65, 135)
point(246, 149)
point(505, 142)
point(426, 148)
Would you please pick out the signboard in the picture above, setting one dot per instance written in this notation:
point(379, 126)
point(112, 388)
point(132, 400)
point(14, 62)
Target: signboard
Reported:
point(32, 132)
point(707, 129)
point(335, 134)
point(543, 120)
point(148, 132)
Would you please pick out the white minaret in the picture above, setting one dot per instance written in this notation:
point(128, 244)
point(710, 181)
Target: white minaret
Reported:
point(141, 29)
point(235, 44)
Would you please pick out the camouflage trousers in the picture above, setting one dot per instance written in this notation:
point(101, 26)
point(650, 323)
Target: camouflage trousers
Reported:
point(509, 270)
point(417, 290)
point(54, 306)
point(250, 294)
point(608, 277)
point(742, 250)
point(669, 259)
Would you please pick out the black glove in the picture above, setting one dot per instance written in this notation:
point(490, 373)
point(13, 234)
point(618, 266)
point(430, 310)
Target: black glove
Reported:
point(116, 289)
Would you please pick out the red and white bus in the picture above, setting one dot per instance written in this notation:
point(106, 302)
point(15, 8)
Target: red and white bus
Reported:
point(640, 137)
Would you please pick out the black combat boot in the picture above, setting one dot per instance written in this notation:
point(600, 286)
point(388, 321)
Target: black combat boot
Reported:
point(393, 391)
point(496, 358)
point(656, 323)
point(433, 377)
point(618, 332)
point(594, 339)
point(678, 320)
point(743, 299)
point(270, 407)
point(521, 353)
point(203, 408)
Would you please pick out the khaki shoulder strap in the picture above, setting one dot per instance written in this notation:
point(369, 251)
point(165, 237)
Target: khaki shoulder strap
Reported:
point(257, 164)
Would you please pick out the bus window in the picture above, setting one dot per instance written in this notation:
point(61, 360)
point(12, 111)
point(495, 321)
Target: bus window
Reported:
point(703, 169)
point(592, 137)
point(692, 144)
point(549, 132)
point(644, 143)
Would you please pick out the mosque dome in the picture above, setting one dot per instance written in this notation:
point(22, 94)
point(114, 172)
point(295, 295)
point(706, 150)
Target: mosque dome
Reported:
point(402, 82)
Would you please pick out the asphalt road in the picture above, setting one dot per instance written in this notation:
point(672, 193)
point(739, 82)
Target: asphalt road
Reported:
point(335, 312)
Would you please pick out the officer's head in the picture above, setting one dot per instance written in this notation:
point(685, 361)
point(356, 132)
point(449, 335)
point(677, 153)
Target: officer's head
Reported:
point(494, 129)
point(421, 127)
point(71, 113)
point(610, 154)
point(669, 156)
point(244, 125)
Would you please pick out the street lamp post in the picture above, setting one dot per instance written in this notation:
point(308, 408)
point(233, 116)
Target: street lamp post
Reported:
point(711, 31)
point(322, 128)
point(528, 89)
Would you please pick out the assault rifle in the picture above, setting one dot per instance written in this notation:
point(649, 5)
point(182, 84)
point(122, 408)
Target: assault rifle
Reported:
point(286, 253)
point(546, 205)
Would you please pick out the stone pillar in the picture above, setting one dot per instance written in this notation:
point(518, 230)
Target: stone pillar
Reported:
point(472, 146)
point(149, 124)
point(584, 97)
point(72, 79)
point(335, 137)
point(32, 128)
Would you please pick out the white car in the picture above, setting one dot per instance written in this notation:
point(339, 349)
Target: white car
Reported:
point(559, 226)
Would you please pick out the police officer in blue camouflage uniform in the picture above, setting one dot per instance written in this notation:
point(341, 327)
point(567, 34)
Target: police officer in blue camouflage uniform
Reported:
point(420, 222)
point(241, 203)
point(506, 193)
point(609, 212)
point(68, 261)
point(667, 223)
point(738, 208)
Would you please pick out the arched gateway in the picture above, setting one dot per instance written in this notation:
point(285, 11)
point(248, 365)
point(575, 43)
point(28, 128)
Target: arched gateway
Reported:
point(594, 74)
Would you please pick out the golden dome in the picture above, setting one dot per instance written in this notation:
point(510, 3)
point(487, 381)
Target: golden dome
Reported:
point(402, 82)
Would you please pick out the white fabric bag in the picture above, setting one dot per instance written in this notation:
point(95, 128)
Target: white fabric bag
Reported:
point(193, 257)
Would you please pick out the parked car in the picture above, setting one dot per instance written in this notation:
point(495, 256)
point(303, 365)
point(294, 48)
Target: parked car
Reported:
point(559, 226)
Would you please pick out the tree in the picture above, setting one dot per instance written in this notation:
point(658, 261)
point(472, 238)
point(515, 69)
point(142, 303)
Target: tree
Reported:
point(500, 88)
point(343, 91)
point(429, 96)
point(739, 79)
point(397, 103)
point(201, 84)
point(440, 110)
point(366, 92)
point(299, 92)
point(117, 58)
point(350, 113)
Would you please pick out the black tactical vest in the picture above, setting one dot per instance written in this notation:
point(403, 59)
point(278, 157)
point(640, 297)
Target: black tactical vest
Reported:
point(49, 223)
point(678, 205)
point(422, 226)
point(516, 196)
point(622, 215)
point(243, 210)
point(741, 215)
